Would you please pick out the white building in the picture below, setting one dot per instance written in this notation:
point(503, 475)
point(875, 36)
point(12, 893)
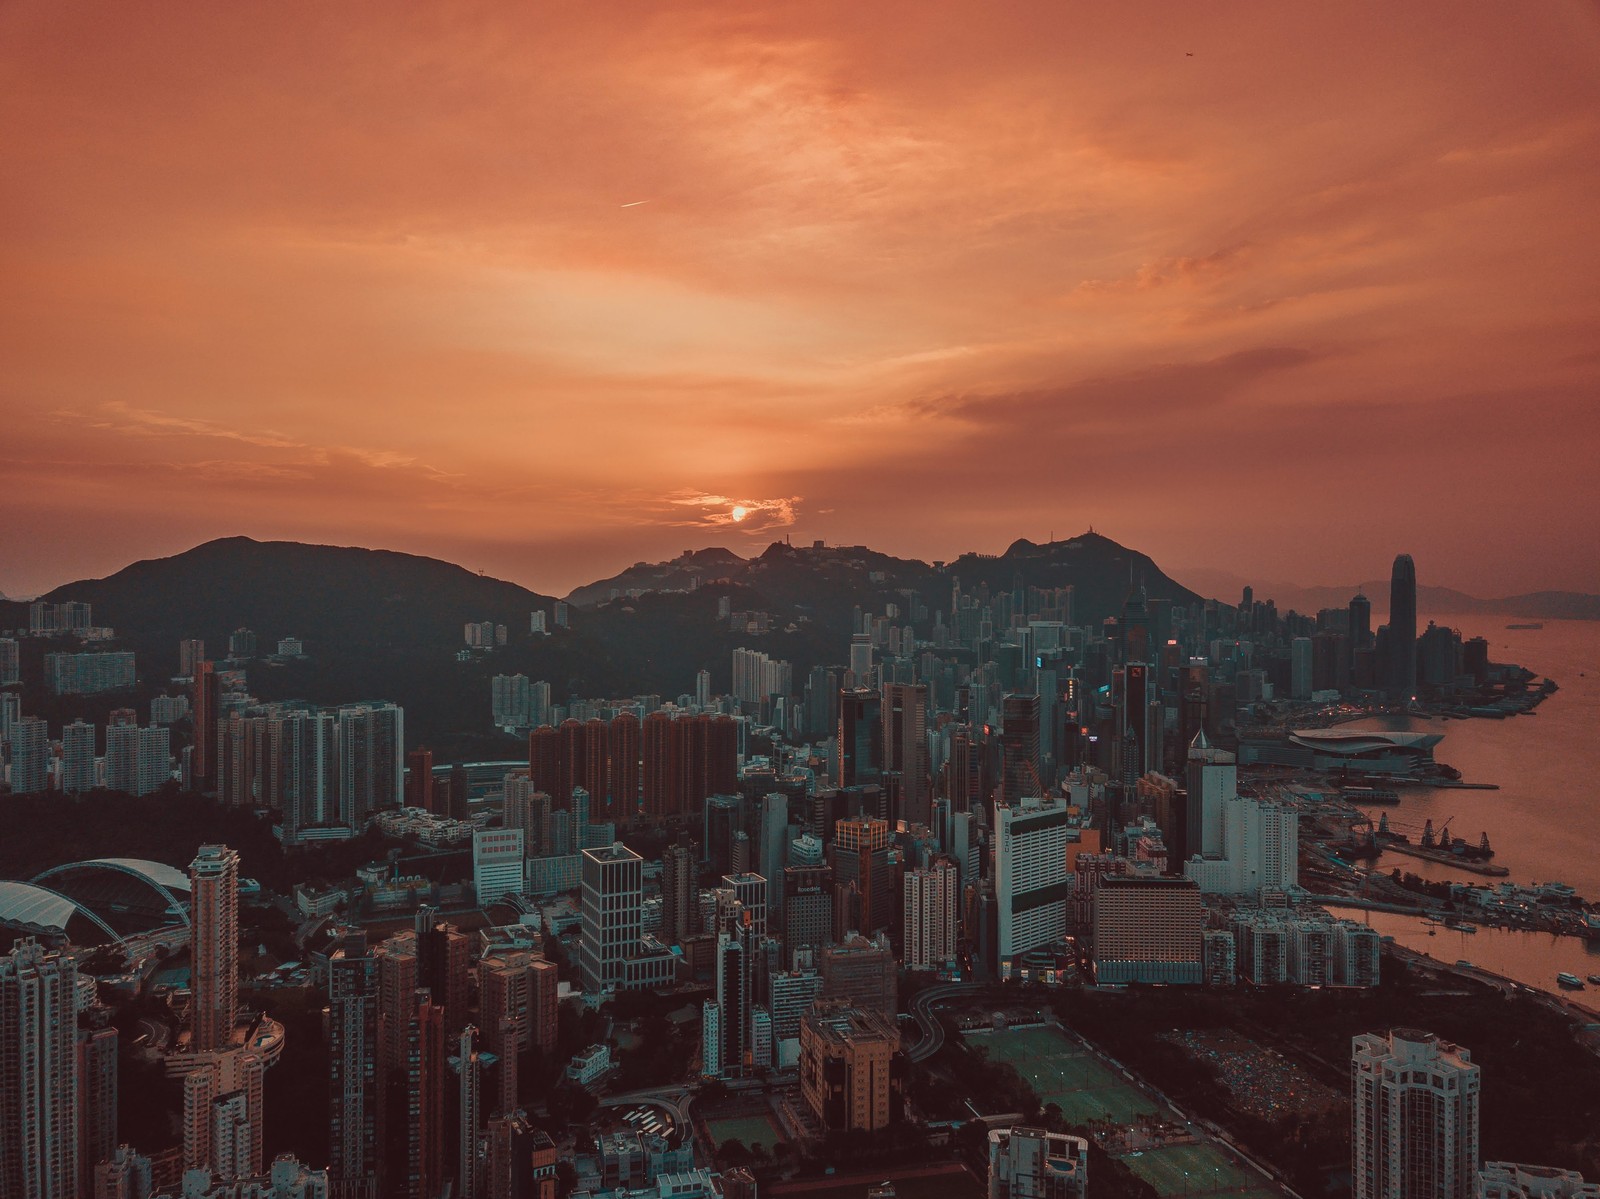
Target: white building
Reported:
point(1508, 1180)
point(138, 760)
point(1213, 776)
point(711, 1035)
point(611, 903)
point(1031, 891)
point(1030, 1163)
point(1415, 1107)
point(589, 1065)
point(497, 859)
point(1306, 947)
point(1258, 848)
point(931, 923)
point(30, 755)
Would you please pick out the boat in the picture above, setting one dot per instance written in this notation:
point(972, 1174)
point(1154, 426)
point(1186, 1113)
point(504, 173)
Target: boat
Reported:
point(1464, 964)
point(1569, 982)
point(1533, 624)
point(1595, 979)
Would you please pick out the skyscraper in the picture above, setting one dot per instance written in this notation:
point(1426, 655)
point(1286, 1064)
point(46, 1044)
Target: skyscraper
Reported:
point(1019, 746)
point(38, 1074)
point(1403, 630)
point(932, 899)
point(77, 758)
point(30, 755)
point(1030, 854)
point(905, 747)
point(611, 910)
point(214, 912)
point(97, 1094)
point(679, 912)
point(860, 746)
point(353, 1060)
point(1415, 1108)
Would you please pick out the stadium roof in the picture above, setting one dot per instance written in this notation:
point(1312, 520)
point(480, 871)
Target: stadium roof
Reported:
point(33, 908)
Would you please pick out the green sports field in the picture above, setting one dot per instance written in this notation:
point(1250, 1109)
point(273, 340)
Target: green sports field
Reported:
point(751, 1130)
point(1064, 1073)
point(1199, 1169)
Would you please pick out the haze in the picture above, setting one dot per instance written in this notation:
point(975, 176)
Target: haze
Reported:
point(546, 289)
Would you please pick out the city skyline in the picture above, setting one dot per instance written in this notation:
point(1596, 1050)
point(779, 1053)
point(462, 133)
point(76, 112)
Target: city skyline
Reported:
point(309, 275)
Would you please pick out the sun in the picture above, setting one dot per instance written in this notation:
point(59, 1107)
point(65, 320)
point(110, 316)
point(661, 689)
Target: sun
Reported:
point(740, 512)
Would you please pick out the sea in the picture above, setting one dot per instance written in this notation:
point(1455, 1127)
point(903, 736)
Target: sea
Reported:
point(1543, 822)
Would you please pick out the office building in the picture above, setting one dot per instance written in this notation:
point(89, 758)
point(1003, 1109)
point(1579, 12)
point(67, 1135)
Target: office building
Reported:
point(1148, 930)
point(611, 903)
point(214, 913)
point(1030, 855)
point(860, 738)
point(1402, 635)
point(1414, 1101)
point(852, 1072)
point(1031, 1163)
point(1212, 777)
point(38, 1074)
point(807, 907)
point(1019, 748)
point(1300, 669)
point(930, 924)
point(865, 893)
point(750, 891)
point(905, 748)
point(861, 973)
point(497, 863)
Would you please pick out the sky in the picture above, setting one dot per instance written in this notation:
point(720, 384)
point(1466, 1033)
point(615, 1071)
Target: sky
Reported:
point(1275, 290)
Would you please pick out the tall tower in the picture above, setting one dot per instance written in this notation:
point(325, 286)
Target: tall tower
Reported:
point(468, 1063)
point(1403, 630)
point(612, 914)
point(932, 897)
point(905, 746)
point(679, 913)
point(214, 885)
point(1019, 745)
point(860, 746)
point(1415, 1102)
point(38, 1074)
point(353, 1056)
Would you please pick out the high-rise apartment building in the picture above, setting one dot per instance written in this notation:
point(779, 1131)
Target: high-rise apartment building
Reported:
point(88, 674)
point(1414, 1101)
point(1030, 856)
point(138, 761)
point(352, 980)
point(371, 740)
point(38, 1074)
point(10, 662)
point(611, 910)
point(679, 894)
point(214, 916)
point(1031, 1163)
point(931, 923)
point(97, 1094)
point(30, 755)
point(78, 771)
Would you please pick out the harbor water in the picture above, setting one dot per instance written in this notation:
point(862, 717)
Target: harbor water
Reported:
point(1544, 821)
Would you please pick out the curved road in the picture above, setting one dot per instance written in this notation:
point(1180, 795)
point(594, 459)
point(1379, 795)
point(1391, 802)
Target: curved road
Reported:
point(922, 1012)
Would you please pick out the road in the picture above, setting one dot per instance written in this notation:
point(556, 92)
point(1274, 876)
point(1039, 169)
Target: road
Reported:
point(922, 1012)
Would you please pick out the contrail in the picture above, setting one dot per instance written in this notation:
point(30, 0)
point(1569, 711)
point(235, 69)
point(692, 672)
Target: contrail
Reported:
point(634, 204)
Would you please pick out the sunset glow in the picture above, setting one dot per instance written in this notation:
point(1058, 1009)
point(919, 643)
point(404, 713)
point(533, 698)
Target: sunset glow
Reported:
point(547, 290)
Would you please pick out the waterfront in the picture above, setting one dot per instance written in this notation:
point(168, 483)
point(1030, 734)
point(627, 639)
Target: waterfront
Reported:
point(1544, 821)
point(1531, 958)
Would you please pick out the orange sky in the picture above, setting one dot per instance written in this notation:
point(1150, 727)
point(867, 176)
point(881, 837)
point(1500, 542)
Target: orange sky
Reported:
point(548, 288)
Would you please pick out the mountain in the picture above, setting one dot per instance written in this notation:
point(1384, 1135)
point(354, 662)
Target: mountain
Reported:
point(1100, 571)
point(1538, 605)
point(687, 571)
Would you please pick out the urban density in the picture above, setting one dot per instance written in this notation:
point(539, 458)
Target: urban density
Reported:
point(855, 917)
point(732, 599)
